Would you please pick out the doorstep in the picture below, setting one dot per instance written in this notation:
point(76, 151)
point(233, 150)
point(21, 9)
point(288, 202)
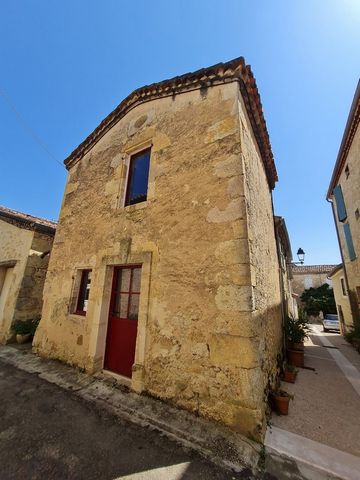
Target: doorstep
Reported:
point(212, 440)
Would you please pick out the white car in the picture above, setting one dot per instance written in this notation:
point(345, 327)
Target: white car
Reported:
point(331, 322)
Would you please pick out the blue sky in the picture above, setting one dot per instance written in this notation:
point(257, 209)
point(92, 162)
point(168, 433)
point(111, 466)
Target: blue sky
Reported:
point(65, 65)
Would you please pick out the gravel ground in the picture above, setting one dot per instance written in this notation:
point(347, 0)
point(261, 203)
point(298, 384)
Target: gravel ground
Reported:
point(325, 407)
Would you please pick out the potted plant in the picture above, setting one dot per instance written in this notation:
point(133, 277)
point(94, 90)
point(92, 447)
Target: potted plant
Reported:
point(280, 401)
point(25, 329)
point(296, 330)
point(290, 373)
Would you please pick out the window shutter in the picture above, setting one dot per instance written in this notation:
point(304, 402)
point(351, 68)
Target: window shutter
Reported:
point(340, 204)
point(349, 241)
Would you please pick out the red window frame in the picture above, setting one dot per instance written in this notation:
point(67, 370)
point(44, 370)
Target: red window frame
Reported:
point(129, 180)
point(115, 293)
point(81, 297)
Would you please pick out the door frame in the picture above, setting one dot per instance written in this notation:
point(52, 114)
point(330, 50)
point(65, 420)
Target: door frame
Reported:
point(100, 317)
point(118, 268)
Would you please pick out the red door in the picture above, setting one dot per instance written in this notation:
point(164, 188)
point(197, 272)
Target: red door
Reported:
point(123, 319)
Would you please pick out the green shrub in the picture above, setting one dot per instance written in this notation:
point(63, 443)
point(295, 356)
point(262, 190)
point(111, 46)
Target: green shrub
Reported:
point(319, 299)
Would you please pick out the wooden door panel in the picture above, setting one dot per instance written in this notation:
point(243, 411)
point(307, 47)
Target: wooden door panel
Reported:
point(123, 315)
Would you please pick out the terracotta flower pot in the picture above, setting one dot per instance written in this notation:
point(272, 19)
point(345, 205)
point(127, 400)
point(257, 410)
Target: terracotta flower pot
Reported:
point(297, 346)
point(295, 357)
point(289, 376)
point(23, 338)
point(280, 403)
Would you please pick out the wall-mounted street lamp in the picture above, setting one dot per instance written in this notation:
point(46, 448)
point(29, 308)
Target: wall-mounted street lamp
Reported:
point(301, 256)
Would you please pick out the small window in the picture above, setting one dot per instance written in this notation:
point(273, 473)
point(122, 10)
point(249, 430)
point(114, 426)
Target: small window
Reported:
point(84, 291)
point(347, 171)
point(138, 178)
point(343, 287)
point(126, 292)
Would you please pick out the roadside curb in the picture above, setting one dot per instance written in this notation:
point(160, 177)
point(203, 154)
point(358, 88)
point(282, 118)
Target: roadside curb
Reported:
point(307, 459)
point(213, 441)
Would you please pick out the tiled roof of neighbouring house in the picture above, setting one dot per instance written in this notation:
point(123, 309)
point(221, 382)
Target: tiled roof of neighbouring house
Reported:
point(349, 133)
point(335, 270)
point(234, 70)
point(27, 221)
point(312, 268)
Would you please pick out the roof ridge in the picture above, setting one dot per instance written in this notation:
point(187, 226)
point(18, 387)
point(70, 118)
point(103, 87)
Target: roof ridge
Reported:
point(26, 218)
point(233, 70)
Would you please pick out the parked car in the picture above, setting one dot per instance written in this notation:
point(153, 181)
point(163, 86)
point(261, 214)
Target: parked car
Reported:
point(331, 322)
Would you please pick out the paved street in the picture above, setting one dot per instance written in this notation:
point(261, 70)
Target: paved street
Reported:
point(49, 433)
point(322, 416)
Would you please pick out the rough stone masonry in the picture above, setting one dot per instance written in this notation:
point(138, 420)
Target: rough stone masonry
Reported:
point(209, 324)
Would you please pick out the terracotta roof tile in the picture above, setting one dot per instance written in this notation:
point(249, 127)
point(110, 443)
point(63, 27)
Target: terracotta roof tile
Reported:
point(27, 221)
point(312, 268)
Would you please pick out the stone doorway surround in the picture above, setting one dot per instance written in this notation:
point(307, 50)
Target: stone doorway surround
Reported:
point(97, 345)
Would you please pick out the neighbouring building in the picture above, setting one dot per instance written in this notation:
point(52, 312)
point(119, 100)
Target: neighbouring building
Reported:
point(164, 269)
point(344, 196)
point(310, 276)
point(25, 244)
point(343, 308)
point(290, 308)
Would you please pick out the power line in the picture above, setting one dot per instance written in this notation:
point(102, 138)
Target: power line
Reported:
point(27, 127)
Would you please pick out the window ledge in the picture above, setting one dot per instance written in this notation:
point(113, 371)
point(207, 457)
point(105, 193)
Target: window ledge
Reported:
point(77, 315)
point(136, 206)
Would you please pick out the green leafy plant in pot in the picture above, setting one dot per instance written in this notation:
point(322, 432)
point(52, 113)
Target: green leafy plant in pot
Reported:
point(25, 329)
point(296, 330)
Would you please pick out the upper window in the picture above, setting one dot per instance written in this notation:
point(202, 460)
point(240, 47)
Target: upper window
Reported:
point(138, 178)
point(347, 171)
point(84, 291)
point(126, 292)
point(343, 286)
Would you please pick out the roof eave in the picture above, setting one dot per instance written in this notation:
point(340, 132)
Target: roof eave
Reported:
point(234, 70)
point(27, 224)
point(349, 132)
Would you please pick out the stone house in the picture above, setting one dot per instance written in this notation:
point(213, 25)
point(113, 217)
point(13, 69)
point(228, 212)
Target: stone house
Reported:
point(344, 196)
point(25, 244)
point(310, 276)
point(285, 269)
point(343, 308)
point(164, 269)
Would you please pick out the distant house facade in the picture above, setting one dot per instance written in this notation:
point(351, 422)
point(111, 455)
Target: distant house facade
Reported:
point(344, 195)
point(25, 244)
point(337, 276)
point(164, 270)
point(309, 276)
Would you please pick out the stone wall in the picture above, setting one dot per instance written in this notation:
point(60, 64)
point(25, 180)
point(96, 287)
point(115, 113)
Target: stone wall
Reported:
point(15, 244)
point(266, 318)
point(30, 296)
point(351, 192)
point(209, 305)
point(342, 300)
